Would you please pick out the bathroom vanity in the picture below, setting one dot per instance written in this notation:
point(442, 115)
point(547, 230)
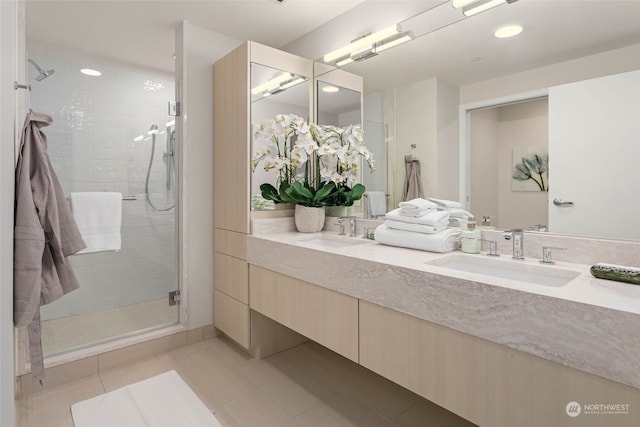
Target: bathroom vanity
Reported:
point(495, 350)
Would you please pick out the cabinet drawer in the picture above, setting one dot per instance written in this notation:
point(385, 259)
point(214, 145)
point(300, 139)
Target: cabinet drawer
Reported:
point(232, 317)
point(325, 316)
point(231, 276)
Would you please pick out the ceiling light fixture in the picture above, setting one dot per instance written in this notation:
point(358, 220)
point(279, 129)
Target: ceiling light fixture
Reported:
point(331, 89)
point(508, 31)
point(91, 72)
point(472, 7)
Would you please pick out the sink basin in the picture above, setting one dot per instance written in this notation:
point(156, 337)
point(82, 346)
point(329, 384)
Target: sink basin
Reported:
point(508, 269)
point(332, 241)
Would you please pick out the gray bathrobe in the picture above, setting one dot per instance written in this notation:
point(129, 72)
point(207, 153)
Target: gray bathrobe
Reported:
point(45, 234)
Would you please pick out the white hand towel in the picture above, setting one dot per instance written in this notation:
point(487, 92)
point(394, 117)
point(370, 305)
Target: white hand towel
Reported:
point(416, 228)
point(99, 217)
point(434, 218)
point(446, 204)
point(445, 241)
point(377, 203)
point(418, 204)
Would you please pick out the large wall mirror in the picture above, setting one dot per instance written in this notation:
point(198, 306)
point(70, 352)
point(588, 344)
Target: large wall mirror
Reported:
point(339, 102)
point(274, 92)
point(563, 163)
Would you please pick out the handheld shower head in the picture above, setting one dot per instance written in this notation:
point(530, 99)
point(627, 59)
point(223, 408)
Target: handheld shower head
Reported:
point(43, 74)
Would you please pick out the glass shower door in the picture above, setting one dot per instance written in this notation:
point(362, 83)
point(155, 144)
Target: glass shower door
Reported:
point(111, 133)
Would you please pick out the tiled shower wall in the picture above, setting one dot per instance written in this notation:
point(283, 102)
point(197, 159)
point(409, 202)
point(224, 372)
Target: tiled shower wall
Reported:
point(92, 148)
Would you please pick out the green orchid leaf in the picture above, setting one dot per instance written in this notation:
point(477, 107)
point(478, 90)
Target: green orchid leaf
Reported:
point(269, 192)
point(302, 190)
point(324, 192)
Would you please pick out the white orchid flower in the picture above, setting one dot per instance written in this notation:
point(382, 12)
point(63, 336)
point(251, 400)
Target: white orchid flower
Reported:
point(336, 177)
point(299, 154)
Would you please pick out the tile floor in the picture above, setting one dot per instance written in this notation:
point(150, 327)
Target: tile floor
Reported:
point(307, 385)
point(82, 330)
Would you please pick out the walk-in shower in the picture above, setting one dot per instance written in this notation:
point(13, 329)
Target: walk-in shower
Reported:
point(92, 148)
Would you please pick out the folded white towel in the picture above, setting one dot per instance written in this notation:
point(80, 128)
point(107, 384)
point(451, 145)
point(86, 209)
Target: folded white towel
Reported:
point(415, 212)
point(99, 217)
point(446, 204)
point(445, 241)
point(434, 218)
point(418, 204)
point(416, 228)
point(459, 213)
point(376, 203)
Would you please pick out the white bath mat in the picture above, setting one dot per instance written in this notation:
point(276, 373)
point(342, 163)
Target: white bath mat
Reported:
point(161, 401)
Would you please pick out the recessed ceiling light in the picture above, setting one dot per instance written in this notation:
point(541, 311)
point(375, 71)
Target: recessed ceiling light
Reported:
point(90, 72)
point(508, 31)
point(330, 89)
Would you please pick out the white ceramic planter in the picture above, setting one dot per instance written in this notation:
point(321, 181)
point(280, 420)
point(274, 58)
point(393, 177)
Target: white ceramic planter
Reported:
point(309, 220)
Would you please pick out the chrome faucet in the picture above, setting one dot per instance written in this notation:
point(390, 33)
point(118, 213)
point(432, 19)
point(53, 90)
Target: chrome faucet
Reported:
point(517, 236)
point(352, 225)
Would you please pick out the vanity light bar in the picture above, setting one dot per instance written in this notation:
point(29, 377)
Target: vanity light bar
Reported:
point(363, 43)
point(273, 83)
point(472, 7)
point(372, 50)
point(393, 41)
point(293, 82)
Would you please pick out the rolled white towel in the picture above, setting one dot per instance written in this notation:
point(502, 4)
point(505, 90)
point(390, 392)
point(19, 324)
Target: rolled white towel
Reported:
point(434, 218)
point(445, 204)
point(445, 241)
point(416, 228)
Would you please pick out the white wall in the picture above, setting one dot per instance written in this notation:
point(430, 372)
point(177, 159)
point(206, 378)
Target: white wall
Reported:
point(602, 64)
point(426, 115)
point(196, 52)
point(8, 42)
point(447, 140)
point(484, 164)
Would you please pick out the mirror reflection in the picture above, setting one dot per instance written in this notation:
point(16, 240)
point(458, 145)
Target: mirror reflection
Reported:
point(501, 138)
point(274, 92)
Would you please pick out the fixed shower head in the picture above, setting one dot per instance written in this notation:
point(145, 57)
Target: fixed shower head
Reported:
point(43, 74)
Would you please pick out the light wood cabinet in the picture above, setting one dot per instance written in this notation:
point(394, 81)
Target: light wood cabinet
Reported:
point(232, 179)
point(325, 316)
point(231, 276)
point(232, 318)
point(486, 383)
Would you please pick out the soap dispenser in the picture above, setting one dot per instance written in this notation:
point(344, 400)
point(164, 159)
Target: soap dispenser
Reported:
point(471, 237)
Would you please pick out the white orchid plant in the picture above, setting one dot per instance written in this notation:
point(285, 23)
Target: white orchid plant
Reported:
point(289, 146)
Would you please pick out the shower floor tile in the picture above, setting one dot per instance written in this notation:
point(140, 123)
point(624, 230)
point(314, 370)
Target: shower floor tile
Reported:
point(85, 329)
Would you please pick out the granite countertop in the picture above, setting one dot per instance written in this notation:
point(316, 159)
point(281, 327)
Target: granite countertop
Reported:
point(588, 324)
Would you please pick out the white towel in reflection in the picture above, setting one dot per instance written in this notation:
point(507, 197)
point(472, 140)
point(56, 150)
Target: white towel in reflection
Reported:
point(416, 228)
point(446, 204)
point(458, 217)
point(377, 203)
point(445, 241)
point(417, 207)
point(434, 218)
point(99, 217)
